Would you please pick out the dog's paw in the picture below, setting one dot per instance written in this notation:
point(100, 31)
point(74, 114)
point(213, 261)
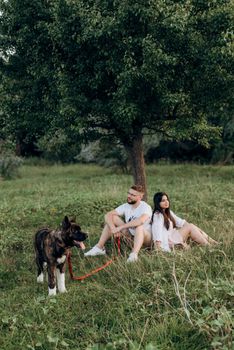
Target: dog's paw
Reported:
point(52, 292)
point(40, 278)
point(63, 290)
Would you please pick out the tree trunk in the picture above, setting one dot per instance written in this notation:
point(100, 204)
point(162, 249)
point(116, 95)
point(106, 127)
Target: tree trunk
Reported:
point(137, 162)
point(18, 149)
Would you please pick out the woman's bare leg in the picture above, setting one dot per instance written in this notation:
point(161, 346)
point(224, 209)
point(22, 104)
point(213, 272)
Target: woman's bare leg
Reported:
point(209, 239)
point(190, 230)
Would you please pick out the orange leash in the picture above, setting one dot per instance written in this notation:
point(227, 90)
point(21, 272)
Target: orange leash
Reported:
point(80, 278)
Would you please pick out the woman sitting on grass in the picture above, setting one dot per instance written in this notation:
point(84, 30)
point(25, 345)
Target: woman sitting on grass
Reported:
point(169, 230)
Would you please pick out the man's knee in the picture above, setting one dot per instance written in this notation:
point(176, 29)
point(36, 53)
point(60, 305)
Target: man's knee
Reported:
point(117, 220)
point(141, 229)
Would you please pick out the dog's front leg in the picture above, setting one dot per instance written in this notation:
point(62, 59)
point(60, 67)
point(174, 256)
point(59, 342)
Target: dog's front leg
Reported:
point(60, 272)
point(52, 280)
point(40, 276)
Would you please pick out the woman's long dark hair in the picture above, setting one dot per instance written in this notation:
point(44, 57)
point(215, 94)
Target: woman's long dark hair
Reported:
point(166, 213)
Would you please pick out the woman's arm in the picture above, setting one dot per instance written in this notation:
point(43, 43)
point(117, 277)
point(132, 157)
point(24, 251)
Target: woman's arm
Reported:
point(157, 228)
point(178, 221)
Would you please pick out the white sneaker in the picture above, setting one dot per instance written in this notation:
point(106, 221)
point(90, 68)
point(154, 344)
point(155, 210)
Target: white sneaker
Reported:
point(133, 257)
point(95, 251)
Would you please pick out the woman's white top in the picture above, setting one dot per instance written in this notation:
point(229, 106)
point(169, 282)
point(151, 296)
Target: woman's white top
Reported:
point(167, 237)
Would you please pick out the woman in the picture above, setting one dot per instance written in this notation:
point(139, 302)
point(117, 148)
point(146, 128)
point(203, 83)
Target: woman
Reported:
point(169, 230)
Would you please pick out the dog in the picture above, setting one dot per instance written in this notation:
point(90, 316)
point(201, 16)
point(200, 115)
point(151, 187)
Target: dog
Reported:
point(51, 248)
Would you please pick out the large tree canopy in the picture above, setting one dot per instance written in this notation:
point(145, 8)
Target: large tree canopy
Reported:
point(150, 66)
point(27, 74)
point(123, 68)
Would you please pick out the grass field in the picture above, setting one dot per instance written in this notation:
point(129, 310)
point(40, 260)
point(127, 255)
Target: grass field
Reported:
point(177, 301)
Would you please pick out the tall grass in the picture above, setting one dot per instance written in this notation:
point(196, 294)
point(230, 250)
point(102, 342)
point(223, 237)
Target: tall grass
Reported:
point(177, 301)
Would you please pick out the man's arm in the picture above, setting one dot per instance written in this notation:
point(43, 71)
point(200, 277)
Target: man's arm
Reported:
point(134, 223)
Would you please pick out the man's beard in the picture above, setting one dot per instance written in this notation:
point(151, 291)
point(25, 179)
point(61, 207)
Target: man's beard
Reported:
point(131, 201)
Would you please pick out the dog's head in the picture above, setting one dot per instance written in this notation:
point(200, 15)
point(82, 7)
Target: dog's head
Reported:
point(72, 233)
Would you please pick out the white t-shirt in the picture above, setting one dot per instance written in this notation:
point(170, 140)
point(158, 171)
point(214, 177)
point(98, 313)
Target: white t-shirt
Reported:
point(131, 213)
point(166, 237)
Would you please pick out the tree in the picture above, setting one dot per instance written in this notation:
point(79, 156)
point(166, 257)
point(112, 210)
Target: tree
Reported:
point(29, 86)
point(21, 88)
point(28, 91)
point(125, 68)
point(130, 68)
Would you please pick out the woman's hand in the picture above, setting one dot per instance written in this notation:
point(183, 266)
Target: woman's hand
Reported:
point(157, 245)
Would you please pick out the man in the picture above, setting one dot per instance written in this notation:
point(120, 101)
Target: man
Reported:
point(137, 215)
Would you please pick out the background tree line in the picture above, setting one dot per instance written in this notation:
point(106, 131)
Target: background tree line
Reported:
point(116, 71)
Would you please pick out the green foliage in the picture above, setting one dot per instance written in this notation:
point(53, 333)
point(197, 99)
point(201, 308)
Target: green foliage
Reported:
point(180, 301)
point(28, 92)
point(224, 150)
point(110, 153)
point(59, 147)
point(9, 162)
point(151, 65)
point(107, 152)
point(116, 68)
point(9, 166)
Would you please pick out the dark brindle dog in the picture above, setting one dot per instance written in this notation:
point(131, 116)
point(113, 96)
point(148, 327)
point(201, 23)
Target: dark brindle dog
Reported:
point(51, 248)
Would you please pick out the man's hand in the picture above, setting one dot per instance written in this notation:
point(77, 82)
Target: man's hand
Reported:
point(117, 235)
point(117, 230)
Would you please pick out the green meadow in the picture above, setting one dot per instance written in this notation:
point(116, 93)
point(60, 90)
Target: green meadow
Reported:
point(180, 301)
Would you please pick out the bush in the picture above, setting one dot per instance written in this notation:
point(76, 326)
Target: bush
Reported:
point(59, 147)
point(9, 162)
point(105, 152)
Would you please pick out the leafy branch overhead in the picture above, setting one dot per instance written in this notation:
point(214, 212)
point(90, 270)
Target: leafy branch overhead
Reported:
point(146, 66)
point(93, 68)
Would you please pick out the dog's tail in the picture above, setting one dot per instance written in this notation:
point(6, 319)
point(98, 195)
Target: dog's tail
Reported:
point(39, 238)
point(39, 242)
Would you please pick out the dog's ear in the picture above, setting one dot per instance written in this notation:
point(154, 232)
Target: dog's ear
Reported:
point(66, 223)
point(73, 219)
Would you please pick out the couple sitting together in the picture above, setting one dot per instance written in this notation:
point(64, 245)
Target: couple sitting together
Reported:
point(135, 220)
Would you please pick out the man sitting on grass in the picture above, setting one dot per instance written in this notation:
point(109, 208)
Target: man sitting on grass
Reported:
point(137, 215)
